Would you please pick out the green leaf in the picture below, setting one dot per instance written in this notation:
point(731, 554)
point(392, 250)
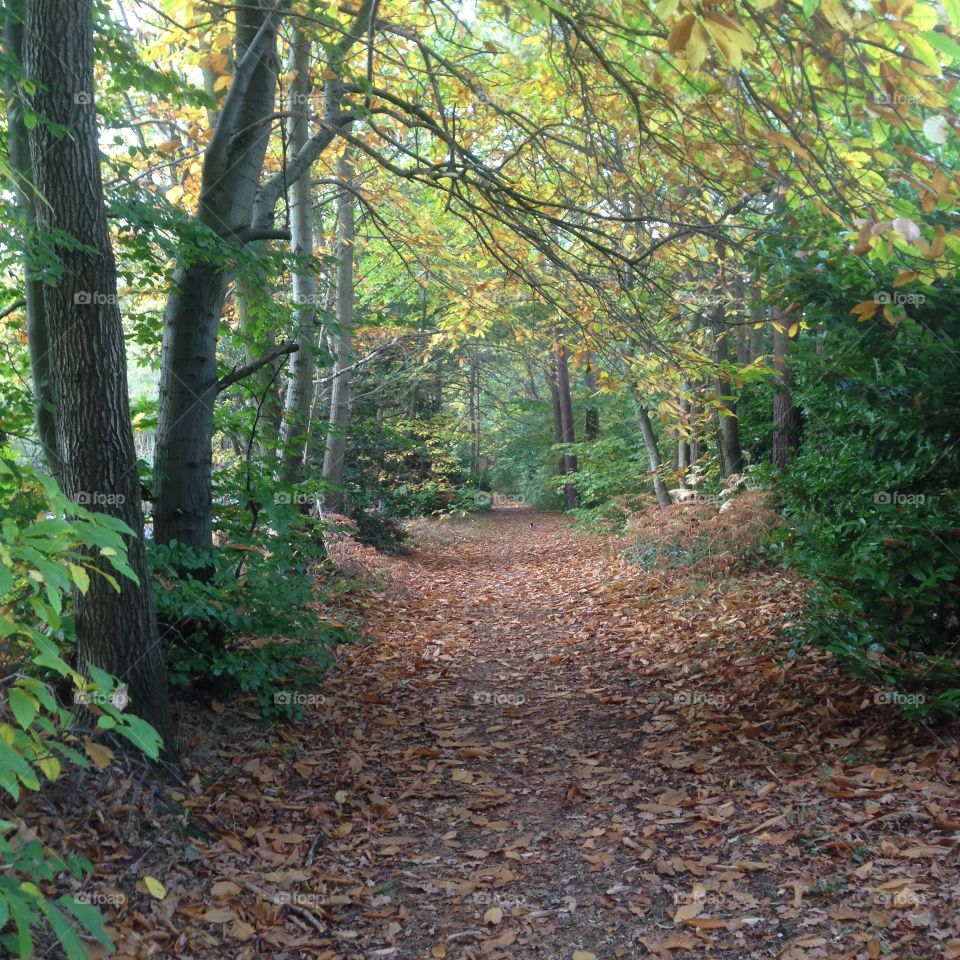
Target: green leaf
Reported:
point(141, 735)
point(80, 577)
point(68, 937)
point(89, 918)
point(23, 706)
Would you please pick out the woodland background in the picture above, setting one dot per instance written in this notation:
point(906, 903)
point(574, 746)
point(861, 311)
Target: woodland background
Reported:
point(279, 272)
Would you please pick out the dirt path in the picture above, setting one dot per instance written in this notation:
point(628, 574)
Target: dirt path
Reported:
point(547, 752)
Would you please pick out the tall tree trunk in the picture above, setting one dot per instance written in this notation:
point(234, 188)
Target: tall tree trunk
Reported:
point(653, 452)
point(566, 422)
point(683, 442)
point(116, 629)
point(731, 456)
point(474, 414)
point(233, 207)
point(693, 446)
point(296, 414)
point(188, 380)
point(340, 390)
point(786, 417)
point(557, 416)
point(38, 340)
point(592, 415)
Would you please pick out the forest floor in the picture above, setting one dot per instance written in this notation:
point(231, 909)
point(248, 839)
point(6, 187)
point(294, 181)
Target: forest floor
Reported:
point(546, 752)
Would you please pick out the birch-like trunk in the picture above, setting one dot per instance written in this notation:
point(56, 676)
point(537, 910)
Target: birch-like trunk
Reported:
point(339, 421)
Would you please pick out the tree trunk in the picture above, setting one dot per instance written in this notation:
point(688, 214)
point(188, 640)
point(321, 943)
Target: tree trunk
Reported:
point(38, 340)
point(188, 379)
point(566, 423)
point(653, 453)
point(557, 416)
point(296, 414)
point(683, 442)
point(592, 415)
point(786, 417)
point(340, 390)
point(116, 629)
point(473, 413)
point(731, 456)
point(233, 207)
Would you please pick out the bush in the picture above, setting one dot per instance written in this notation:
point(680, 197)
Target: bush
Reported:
point(241, 618)
point(871, 502)
point(41, 562)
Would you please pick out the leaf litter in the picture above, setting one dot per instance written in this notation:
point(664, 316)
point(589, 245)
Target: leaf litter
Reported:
point(544, 752)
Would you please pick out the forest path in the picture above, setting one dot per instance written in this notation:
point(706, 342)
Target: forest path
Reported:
point(550, 754)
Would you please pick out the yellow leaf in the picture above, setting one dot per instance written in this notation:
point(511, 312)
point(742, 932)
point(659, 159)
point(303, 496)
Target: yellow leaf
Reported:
point(865, 310)
point(696, 48)
point(583, 955)
point(98, 753)
point(835, 13)
point(218, 62)
point(493, 916)
point(50, 767)
point(904, 277)
point(438, 951)
point(154, 887)
point(794, 330)
point(221, 83)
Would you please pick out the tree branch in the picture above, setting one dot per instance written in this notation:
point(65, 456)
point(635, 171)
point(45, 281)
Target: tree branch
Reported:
point(239, 373)
point(233, 101)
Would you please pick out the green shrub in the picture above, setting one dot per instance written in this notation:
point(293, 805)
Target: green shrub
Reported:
point(41, 562)
point(872, 505)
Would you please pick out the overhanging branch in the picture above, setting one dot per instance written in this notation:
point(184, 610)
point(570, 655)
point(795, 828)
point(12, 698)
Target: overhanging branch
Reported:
point(239, 373)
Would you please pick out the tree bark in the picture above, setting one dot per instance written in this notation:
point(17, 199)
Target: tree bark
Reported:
point(232, 206)
point(116, 630)
point(592, 416)
point(557, 417)
point(566, 423)
point(786, 417)
point(38, 340)
point(731, 456)
point(296, 414)
point(653, 453)
point(336, 447)
point(188, 379)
